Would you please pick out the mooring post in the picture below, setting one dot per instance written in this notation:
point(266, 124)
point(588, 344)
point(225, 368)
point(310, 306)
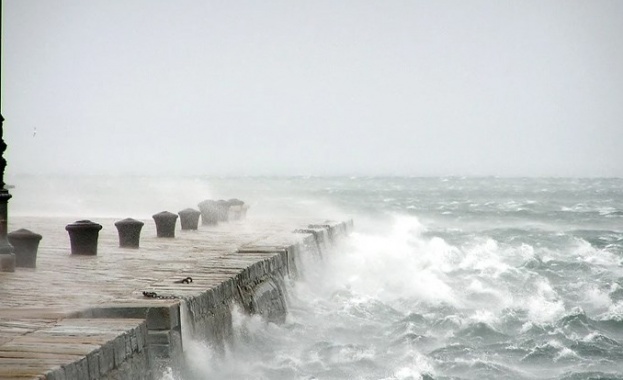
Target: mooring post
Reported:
point(83, 236)
point(222, 207)
point(165, 224)
point(7, 257)
point(25, 246)
point(129, 232)
point(189, 218)
point(209, 212)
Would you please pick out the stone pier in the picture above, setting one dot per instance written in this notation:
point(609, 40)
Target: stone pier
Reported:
point(120, 314)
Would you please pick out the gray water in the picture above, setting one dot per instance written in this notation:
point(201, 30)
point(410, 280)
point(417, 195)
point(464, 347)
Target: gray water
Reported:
point(444, 278)
point(448, 278)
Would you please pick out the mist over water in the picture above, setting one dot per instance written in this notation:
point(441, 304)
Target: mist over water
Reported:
point(444, 278)
point(142, 196)
point(449, 278)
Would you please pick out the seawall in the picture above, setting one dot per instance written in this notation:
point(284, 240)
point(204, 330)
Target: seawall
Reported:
point(86, 317)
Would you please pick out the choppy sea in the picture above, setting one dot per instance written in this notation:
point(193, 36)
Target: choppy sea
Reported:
point(443, 278)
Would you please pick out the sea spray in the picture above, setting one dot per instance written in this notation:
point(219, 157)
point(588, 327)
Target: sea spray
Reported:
point(468, 278)
point(444, 277)
point(408, 304)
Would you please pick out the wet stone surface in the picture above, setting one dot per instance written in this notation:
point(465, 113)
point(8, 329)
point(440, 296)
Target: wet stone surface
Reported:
point(39, 331)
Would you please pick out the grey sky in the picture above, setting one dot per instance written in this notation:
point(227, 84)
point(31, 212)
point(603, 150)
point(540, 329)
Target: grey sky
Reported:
point(314, 87)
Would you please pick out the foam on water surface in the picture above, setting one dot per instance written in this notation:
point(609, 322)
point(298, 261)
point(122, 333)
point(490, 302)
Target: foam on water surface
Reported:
point(387, 307)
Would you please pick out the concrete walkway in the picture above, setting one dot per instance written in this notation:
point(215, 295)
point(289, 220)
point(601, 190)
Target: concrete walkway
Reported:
point(39, 331)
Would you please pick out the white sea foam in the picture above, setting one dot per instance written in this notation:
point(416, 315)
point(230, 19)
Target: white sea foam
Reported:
point(586, 252)
point(407, 298)
point(484, 316)
point(614, 312)
point(595, 300)
point(486, 258)
point(398, 265)
point(200, 357)
point(545, 305)
point(565, 353)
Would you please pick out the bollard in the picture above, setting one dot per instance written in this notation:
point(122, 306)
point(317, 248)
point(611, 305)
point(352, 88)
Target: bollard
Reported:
point(209, 212)
point(235, 209)
point(129, 232)
point(83, 237)
point(222, 212)
point(165, 224)
point(189, 218)
point(25, 243)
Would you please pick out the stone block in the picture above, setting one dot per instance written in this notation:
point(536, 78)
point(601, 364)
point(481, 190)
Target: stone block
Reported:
point(106, 358)
point(136, 367)
point(161, 316)
point(133, 340)
point(159, 337)
point(71, 372)
point(83, 368)
point(141, 337)
point(269, 301)
point(77, 370)
point(93, 362)
point(128, 344)
point(215, 327)
point(176, 343)
point(158, 352)
point(119, 350)
point(56, 374)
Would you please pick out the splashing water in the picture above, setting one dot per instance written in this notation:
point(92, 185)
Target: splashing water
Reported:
point(445, 278)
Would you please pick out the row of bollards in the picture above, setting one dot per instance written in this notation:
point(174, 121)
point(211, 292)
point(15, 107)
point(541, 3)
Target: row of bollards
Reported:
point(83, 234)
point(213, 212)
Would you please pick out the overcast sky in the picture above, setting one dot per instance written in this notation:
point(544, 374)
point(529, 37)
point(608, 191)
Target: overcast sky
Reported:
point(507, 88)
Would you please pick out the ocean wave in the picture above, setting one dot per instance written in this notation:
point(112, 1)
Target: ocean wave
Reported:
point(602, 348)
point(446, 325)
point(412, 323)
point(451, 352)
point(595, 375)
point(482, 333)
point(576, 321)
point(345, 353)
point(413, 340)
point(551, 351)
point(477, 368)
point(599, 239)
point(613, 317)
point(487, 291)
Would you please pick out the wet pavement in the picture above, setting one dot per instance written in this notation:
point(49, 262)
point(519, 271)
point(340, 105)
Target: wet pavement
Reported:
point(36, 331)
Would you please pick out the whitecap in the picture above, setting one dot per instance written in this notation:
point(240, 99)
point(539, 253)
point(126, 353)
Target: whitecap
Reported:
point(545, 305)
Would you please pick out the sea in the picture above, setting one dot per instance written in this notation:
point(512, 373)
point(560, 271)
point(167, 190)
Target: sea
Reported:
point(442, 278)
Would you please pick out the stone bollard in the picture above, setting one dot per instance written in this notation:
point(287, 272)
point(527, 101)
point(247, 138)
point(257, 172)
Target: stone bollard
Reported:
point(222, 212)
point(189, 218)
point(25, 243)
point(209, 212)
point(83, 236)
point(235, 209)
point(165, 224)
point(129, 232)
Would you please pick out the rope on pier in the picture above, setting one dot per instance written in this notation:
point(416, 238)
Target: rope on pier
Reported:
point(186, 280)
point(158, 296)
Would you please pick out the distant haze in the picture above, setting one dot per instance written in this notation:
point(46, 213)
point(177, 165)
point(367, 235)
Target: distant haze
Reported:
point(506, 88)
